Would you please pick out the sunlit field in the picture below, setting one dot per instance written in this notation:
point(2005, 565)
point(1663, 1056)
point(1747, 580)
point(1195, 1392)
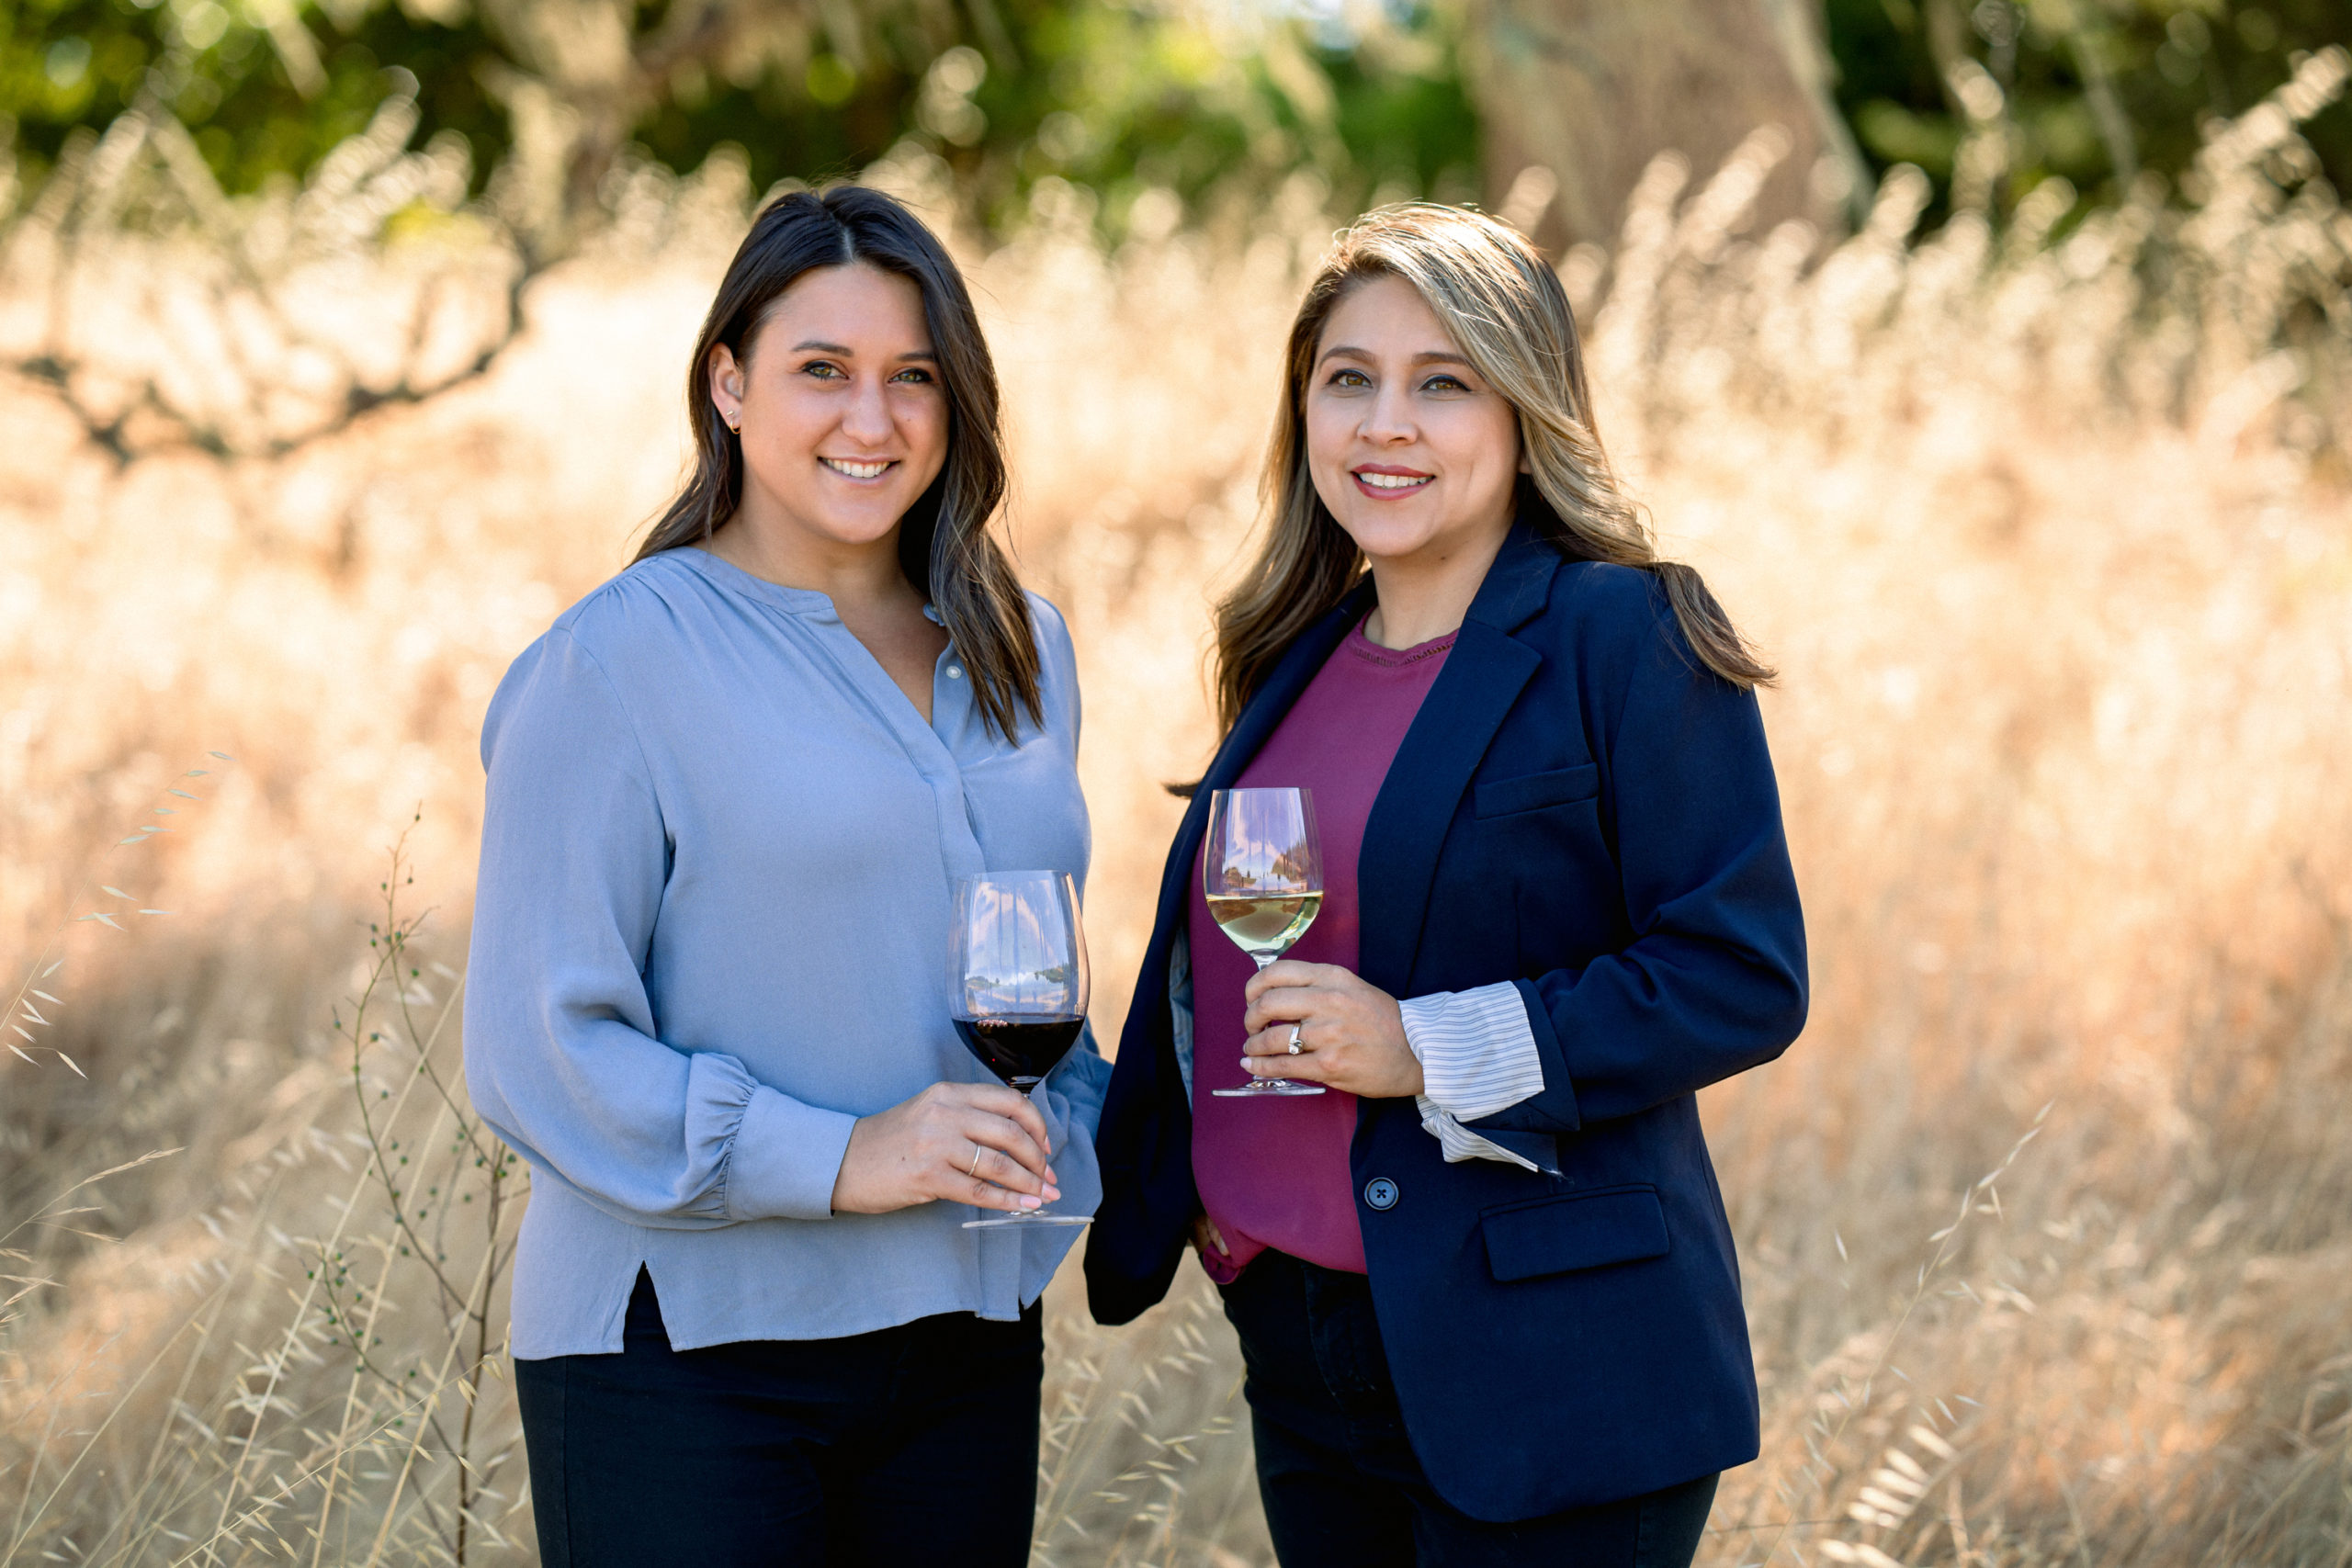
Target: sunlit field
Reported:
point(2046, 1220)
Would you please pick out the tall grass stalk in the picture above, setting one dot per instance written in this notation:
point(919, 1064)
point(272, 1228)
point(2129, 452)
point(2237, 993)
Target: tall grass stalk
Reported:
point(2045, 523)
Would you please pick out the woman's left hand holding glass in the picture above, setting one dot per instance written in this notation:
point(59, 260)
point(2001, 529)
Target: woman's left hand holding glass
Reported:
point(1351, 1032)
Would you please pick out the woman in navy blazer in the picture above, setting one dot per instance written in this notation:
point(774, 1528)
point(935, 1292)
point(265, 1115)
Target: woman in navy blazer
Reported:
point(1582, 811)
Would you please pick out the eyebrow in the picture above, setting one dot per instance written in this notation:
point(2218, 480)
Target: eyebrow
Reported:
point(813, 347)
point(1428, 356)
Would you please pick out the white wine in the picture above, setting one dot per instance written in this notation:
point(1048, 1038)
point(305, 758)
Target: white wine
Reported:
point(1261, 872)
point(1264, 925)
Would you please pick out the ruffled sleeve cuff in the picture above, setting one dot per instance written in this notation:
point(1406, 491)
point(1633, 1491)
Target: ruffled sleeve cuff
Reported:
point(778, 1156)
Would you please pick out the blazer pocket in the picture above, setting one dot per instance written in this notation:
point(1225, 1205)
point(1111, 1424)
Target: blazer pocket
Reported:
point(1532, 792)
point(1584, 1230)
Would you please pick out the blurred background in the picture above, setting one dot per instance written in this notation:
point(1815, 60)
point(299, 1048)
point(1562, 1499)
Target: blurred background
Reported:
point(1993, 360)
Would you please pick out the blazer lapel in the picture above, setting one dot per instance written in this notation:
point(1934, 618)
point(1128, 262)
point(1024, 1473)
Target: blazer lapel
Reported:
point(1264, 710)
point(1483, 677)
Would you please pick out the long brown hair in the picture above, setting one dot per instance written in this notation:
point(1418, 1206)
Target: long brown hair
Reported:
point(943, 543)
point(1507, 312)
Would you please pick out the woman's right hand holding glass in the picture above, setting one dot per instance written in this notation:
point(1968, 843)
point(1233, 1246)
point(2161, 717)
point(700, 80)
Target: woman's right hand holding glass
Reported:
point(959, 1143)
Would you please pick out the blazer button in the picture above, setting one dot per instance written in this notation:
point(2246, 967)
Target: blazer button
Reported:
point(1380, 1192)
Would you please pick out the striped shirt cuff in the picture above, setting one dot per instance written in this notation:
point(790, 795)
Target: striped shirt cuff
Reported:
point(1459, 1143)
point(1478, 1056)
point(1477, 1050)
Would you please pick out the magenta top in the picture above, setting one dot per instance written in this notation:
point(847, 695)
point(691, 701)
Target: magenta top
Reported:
point(1274, 1172)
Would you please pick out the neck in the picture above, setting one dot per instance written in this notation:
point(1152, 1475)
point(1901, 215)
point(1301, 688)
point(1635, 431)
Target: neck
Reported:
point(1426, 594)
point(851, 574)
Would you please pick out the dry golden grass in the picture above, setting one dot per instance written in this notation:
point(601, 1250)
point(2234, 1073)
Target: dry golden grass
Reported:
point(2050, 542)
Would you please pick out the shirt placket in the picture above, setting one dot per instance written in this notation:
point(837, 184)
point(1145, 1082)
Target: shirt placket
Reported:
point(998, 1267)
point(934, 760)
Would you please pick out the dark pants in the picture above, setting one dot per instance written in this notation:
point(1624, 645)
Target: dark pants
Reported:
point(913, 1444)
point(1342, 1486)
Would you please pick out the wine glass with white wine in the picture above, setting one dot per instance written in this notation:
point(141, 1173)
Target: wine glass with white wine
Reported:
point(1263, 876)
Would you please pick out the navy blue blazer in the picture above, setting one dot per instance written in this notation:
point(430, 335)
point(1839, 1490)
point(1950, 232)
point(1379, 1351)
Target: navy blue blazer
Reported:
point(1582, 809)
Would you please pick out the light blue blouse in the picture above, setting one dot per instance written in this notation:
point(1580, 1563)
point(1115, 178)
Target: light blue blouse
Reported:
point(710, 933)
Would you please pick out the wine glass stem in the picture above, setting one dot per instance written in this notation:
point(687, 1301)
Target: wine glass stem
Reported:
point(1265, 960)
point(1030, 1094)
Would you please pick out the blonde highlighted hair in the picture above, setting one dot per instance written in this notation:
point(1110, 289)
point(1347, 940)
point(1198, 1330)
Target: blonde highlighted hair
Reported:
point(1505, 310)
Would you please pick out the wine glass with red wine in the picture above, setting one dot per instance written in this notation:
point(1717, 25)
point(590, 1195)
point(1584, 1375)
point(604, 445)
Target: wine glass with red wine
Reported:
point(1017, 980)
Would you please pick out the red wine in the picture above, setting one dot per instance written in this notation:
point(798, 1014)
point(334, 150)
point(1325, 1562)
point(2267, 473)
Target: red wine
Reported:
point(1020, 1050)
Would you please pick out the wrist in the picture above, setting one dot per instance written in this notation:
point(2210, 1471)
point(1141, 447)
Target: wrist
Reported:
point(846, 1198)
point(1403, 1038)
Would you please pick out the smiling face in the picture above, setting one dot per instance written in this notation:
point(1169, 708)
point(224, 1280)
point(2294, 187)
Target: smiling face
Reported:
point(839, 406)
point(1409, 448)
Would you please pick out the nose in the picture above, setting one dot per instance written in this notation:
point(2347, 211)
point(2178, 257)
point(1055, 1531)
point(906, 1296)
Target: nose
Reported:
point(1389, 420)
point(867, 418)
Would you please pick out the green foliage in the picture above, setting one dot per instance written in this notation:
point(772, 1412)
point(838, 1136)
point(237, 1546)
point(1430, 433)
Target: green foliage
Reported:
point(1124, 101)
point(78, 63)
point(2094, 90)
point(1214, 104)
point(1119, 98)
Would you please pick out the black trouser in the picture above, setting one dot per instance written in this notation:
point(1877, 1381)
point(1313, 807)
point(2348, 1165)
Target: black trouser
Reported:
point(913, 1444)
point(1342, 1486)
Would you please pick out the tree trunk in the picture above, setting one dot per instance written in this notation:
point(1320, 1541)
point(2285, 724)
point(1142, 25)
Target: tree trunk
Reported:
point(1591, 90)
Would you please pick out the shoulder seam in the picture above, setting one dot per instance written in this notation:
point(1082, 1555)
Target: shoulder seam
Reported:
point(637, 737)
point(1040, 611)
point(612, 587)
point(1041, 608)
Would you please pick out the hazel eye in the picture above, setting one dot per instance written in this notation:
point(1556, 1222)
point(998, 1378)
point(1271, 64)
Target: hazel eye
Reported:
point(823, 369)
point(1350, 378)
point(914, 376)
point(1444, 384)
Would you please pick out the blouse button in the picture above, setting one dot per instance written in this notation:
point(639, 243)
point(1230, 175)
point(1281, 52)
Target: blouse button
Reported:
point(955, 672)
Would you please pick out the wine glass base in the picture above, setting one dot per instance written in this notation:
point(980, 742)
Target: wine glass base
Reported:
point(1268, 1089)
point(1025, 1218)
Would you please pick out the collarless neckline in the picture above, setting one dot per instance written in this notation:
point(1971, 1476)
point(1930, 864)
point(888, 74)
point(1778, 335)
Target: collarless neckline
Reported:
point(1364, 647)
point(727, 577)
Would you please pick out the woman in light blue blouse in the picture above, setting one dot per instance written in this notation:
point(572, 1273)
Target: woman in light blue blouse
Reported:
point(729, 793)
